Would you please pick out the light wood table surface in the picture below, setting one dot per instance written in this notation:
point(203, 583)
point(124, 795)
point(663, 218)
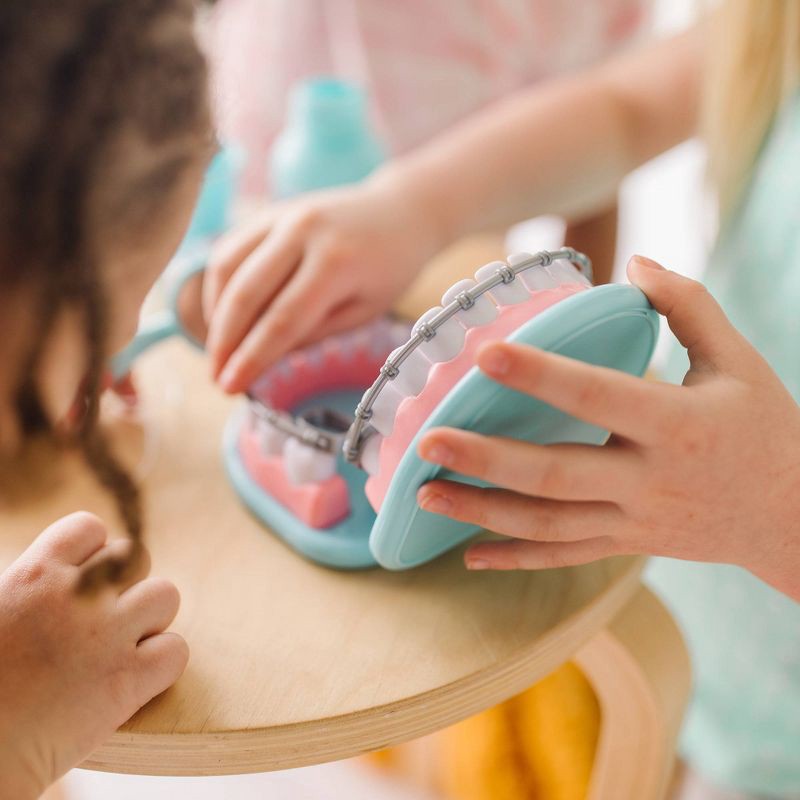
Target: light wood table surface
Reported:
point(295, 664)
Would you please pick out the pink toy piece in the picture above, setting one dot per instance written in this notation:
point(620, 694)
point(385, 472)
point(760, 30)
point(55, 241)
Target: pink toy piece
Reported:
point(346, 361)
point(339, 363)
point(413, 411)
point(319, 505)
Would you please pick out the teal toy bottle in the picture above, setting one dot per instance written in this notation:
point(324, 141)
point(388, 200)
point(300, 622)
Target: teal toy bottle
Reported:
point(212, 214)
point(327, 140)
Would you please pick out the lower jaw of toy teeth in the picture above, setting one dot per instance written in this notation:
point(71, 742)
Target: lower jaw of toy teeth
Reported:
point(271, 440)
point(305, 464)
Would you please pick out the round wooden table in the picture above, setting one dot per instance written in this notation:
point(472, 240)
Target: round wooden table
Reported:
point(295, 664)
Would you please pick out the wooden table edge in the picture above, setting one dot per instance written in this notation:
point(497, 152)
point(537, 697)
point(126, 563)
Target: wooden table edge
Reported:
point(334, 738)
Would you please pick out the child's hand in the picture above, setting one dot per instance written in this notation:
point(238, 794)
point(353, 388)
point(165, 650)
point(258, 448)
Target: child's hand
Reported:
point(73, 668)
point(308, 268)
point(707, 471)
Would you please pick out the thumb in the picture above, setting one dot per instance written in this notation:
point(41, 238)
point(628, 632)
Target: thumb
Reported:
point(693, 315)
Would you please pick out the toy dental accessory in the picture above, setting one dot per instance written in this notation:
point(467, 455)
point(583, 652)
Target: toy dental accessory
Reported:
point(324, 451)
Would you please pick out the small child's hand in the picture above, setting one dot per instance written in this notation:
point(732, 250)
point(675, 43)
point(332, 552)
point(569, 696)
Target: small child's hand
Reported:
point(308, 268)
point(707, 471)
point(73, 668)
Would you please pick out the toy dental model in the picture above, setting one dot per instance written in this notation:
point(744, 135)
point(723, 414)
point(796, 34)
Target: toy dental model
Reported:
point(324, 451)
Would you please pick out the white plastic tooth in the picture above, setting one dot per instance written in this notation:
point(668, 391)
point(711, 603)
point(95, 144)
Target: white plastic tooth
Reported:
point(534, 278)
point(563, 271)
point(384, 409)
point(573, 274)
point(270, 439)
point(482, 312)
point(515, 259)
point(306, 464)
point(412, 374)
point(505, 294)
point(370, 455)
point(448, 341)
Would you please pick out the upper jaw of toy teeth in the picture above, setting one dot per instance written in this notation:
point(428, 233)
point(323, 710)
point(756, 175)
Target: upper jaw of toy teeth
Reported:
point(557, 272)
point(444, 343)
point(439, 334)
point(506, 293)
point(474, 311)
point(412, 373)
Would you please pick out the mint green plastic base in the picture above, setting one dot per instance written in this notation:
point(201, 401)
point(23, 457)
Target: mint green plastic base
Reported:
point(612, 326)
point(342, 546)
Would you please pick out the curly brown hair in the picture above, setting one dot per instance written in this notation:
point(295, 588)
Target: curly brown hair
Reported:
point(76, 76)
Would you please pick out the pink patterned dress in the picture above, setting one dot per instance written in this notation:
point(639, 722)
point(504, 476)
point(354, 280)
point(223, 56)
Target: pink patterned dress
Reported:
point(426, 64)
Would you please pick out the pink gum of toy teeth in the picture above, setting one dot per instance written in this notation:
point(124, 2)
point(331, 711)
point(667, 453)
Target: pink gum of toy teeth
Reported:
point(384, 454)
point(301, 479)
point(346, 361)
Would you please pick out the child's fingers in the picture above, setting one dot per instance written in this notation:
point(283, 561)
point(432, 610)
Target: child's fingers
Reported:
point(228, 255)
point(512, 514)
point(249, 291)
point(539, 555)
point(559, 471)
point(693, 315)
point(296, 312)
point(625, 405)
point(161, 659)
point(72, 539)
point(149, 606)
point(120, 550)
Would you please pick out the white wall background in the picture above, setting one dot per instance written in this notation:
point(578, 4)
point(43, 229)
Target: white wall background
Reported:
point(662, 214)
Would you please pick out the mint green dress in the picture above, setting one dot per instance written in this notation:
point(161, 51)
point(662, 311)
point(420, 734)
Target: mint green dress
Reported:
point(743, 727)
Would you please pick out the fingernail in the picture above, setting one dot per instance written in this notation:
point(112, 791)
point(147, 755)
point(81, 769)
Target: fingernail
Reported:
point(436, 503)
point(438, 454)
point(494, 361)
point(478, 563)
point(647, 262)
point(228, 378)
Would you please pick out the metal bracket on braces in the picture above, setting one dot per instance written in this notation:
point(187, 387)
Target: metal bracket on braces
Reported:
point(295, 427)
point(358, 433)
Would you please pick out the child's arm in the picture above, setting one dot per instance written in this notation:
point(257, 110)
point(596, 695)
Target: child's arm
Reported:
point(562, 148)
point(707, 471)
point(330, 260)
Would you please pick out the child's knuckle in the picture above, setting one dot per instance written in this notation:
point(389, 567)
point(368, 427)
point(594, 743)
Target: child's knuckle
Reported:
point(31, 573)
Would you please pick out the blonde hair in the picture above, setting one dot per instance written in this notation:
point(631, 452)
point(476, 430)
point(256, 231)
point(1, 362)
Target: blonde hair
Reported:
point(754, 66)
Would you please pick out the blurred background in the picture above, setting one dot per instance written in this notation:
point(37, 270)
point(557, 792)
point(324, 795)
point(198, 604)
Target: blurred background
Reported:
point(664, 214)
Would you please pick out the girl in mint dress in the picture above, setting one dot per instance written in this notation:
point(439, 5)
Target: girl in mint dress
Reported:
point(705, 474)
point(743, 726)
